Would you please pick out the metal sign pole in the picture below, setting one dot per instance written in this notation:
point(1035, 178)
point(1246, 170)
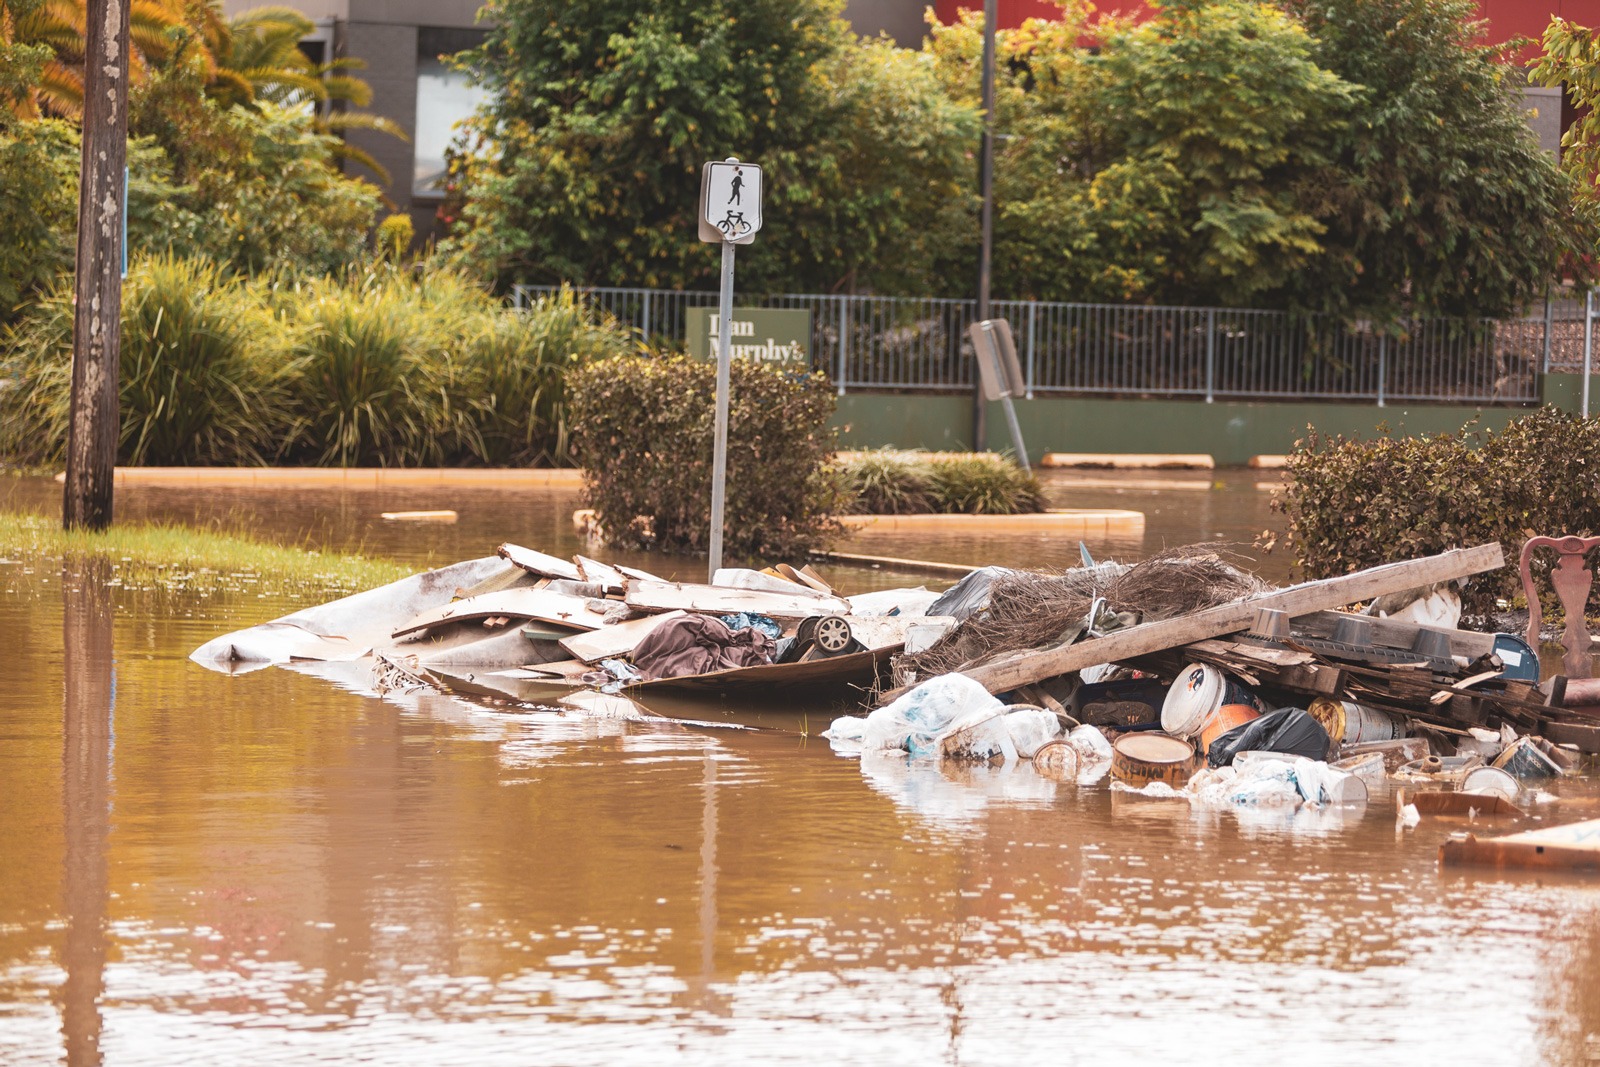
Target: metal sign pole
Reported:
point(719, 449)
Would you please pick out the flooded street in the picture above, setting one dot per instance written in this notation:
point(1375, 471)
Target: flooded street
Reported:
point(269, 868)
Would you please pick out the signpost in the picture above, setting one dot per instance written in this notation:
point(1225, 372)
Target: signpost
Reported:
point(730, 214)
point(999, 372)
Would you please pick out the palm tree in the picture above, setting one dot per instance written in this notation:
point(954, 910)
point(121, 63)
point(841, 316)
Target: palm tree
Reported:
point(250, 59)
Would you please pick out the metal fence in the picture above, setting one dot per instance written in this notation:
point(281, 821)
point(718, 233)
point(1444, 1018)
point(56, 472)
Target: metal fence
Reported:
point(920, 344)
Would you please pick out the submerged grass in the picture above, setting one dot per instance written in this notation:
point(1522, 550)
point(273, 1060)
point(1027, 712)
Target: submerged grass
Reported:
point(181, 559)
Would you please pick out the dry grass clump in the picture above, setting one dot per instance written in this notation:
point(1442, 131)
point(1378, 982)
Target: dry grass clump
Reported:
point(1029, 610)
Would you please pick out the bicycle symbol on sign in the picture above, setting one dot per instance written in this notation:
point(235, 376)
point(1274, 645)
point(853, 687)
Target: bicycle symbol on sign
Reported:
point(734, 225)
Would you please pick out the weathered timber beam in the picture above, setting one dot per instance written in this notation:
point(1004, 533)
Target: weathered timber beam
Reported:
point(1231, 618)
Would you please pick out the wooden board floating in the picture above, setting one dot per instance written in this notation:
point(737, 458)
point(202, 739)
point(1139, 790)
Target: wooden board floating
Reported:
point(1573, 847)
point(540, 604)
point(419, 516)
point(712, 599)
point(829, 670)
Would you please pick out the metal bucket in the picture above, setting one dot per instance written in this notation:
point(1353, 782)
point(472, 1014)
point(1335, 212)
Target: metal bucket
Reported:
point(1142, 758)
point(1349, 723)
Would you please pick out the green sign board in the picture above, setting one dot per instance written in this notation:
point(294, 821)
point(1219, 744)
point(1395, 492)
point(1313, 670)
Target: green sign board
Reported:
point(779, 337)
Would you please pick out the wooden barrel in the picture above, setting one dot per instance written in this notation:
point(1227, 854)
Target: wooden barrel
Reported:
point(1142, 758)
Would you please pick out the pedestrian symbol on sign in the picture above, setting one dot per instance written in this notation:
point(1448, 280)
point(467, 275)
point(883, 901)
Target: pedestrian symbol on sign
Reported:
point(730, 202)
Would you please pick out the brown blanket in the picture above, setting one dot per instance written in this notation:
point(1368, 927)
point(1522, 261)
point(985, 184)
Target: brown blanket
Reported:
point(696, 644)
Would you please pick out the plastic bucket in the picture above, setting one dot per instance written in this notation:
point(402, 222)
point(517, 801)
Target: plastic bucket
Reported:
point(1226, 718)
point(1142, 758)
point(1196, 696)
point(1348, 723)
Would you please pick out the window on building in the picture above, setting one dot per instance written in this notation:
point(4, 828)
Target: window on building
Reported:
point(445, 97)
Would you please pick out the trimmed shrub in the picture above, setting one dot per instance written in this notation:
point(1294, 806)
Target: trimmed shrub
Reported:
point(1353, 503)
point(642, 430)
point(984, 485)
point(895, 482)
point(887, 482)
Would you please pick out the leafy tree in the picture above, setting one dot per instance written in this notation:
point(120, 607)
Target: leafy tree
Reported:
point(39, 164)
point(586, 164)
point(1571, 61)
point(1163, 168)
point(1440, 201)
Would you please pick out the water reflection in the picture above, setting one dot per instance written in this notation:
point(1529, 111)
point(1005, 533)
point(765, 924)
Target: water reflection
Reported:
point(88, 708)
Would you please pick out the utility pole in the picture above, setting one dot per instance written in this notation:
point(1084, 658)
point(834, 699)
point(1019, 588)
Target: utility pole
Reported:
point(92, 421)
point(980, 431)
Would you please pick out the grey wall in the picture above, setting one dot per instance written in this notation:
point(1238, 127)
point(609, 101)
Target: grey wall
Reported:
point(390, 53)
point(900, 19)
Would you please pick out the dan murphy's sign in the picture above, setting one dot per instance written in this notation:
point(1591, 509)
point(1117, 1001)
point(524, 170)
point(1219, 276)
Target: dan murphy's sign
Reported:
point(779, 337)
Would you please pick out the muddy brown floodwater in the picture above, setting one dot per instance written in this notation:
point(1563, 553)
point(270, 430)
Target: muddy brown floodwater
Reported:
point(267, 869)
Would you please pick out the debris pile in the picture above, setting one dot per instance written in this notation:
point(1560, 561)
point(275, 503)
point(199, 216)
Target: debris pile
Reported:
point(525, 620)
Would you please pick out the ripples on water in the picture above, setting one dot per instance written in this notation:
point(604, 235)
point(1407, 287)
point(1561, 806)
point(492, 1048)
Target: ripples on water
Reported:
point(270, 869)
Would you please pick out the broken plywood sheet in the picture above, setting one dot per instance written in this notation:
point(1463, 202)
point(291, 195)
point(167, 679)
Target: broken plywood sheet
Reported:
point(540, 604)
point(760, 581)
point(601, 574)
point(616, 639)
point(715, 600)
point(1573, 847)
point(537, 562)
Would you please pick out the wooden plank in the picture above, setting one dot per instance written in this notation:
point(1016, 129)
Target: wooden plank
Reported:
point(540, 604)
point(1573, 847)
point(1585, 737)
point(1394, 633)
point(916, 566)
point(617, 639)
point(536, 562)
point(1467, 805)
point(1232, 618)
point(717, 600)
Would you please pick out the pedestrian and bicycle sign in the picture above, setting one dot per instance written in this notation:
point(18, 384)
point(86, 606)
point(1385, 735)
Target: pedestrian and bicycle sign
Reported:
point(730, 202)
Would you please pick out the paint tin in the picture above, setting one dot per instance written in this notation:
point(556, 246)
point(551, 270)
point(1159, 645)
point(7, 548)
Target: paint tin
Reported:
point(1142, 758)
point(1199, 692)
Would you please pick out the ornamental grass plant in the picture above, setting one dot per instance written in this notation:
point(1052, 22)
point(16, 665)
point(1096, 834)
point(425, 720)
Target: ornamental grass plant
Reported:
point(898, 482)
point(386, 366)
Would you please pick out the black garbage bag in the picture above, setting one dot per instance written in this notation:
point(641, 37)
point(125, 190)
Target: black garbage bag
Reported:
point(1289, 730)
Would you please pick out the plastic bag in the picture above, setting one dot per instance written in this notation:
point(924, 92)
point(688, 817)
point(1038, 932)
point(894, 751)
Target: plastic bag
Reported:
point(1031, 728)
point(746, 620)
point(1091, 743)
point(970, 595)
point(1288, 730)
point(915, 720)
point(846, 728)
point(977, 736)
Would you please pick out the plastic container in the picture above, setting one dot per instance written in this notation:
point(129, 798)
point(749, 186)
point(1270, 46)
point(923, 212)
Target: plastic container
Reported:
point(1226, 718)
point(1490, 781)
point(1199, 693)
